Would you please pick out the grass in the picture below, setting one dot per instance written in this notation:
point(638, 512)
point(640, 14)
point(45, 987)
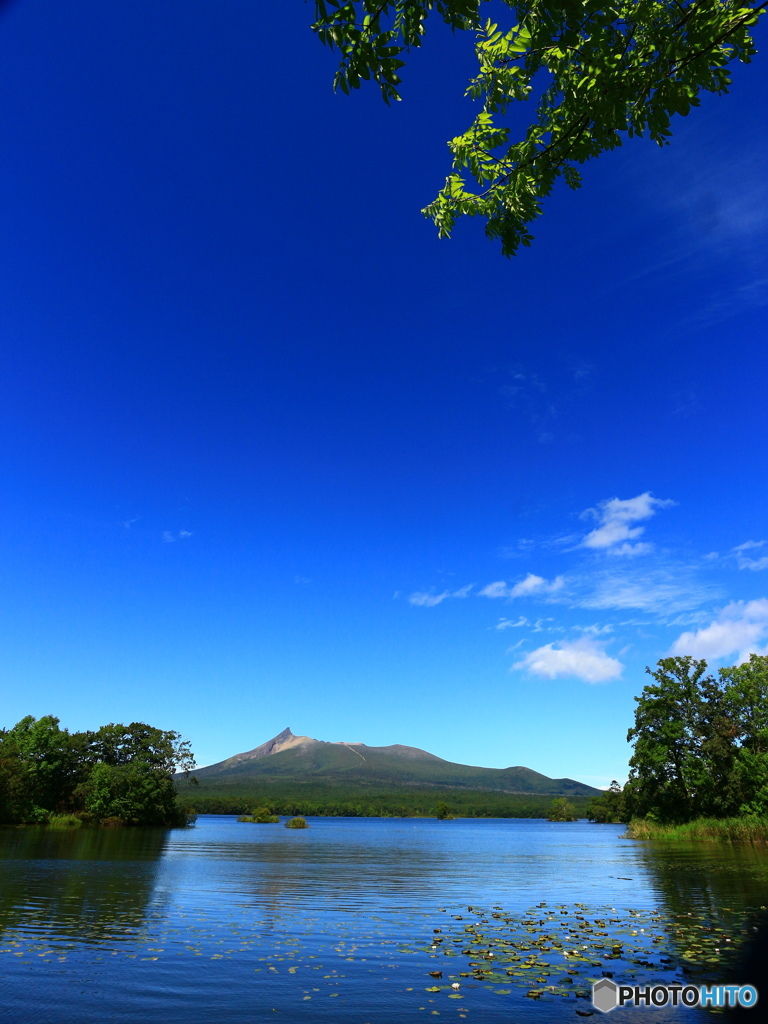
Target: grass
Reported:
point(62, 821)
point(296, 823)
point(707, 830)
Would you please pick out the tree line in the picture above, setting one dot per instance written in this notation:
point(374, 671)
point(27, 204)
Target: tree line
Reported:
point(700, 746)
point(337, 802)
point(115, 775)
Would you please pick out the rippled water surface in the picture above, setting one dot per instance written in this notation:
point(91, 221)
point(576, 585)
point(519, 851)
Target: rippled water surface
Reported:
point(358, 920)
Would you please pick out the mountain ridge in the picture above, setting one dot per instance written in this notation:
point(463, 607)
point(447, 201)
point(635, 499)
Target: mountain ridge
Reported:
point(303, 761)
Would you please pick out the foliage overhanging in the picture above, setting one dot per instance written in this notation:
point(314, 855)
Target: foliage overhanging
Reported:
point(594, 71)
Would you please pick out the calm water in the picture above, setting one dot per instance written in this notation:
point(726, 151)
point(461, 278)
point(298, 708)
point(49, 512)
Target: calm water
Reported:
point(232, 923)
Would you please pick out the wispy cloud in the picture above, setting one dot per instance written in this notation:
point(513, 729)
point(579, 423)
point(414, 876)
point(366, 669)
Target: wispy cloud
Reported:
point(738, 629)
point(509, 624)
point(594, 629)
point(171, 538)
point(524, 546)
point(664, 591)
point(424, 599)
point(584, 659)
point(531, 586)
point(617, 518)
point(746, 561)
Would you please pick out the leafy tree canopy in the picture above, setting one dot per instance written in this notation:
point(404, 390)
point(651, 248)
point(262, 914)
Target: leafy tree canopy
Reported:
point(562, 809)
point(593, 72)
point(125, 744)
point(700, 742)
point(609, 807)
point(119, 772)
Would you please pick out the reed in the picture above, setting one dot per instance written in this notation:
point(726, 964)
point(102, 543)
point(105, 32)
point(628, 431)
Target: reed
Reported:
point(703, 830)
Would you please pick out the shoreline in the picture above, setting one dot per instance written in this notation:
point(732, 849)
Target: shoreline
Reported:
point(702, 830)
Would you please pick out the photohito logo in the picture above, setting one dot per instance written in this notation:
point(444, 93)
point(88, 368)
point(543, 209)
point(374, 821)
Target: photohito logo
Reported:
point(607, 995)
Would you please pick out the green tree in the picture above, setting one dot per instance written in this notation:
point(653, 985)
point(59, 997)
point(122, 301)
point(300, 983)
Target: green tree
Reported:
point(668, 768)
point(123, 772)
point(443, 812)
point(562, 809)
point(40, 766)
point(117, 744)
point(609, 807)
point(260, 816)
point(700, 742)
point(133, 794)
point(746, 698)
point(595, 72)
point(132, 779)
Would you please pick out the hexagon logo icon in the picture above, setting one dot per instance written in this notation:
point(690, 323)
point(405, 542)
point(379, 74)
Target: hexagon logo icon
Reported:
point(605, 995)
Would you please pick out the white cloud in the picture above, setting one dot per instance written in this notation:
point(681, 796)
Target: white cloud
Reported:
point(509, 624)
point(616, 517)
point(736, 630)
point(171, 538)
point(584, 658)
point(755, 564)
point(422, 600)
point(594, 629)
point(664, 591)
point(532, 584)
point(497, 589)
point(631, 550)
point(541, 626)
point(429, 600)
point(746, 561)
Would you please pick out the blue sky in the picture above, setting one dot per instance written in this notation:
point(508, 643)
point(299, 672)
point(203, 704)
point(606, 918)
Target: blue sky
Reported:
point(274, 455)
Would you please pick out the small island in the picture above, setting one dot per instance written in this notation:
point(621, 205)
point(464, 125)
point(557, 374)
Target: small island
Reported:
point(562, 810)
point(260, 816)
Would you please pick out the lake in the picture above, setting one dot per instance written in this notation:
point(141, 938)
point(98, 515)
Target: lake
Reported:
point(362, 920)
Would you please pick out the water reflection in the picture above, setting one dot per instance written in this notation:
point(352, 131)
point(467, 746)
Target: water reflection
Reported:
point(393, 865)
point(715, 896)
point(90, 885)
point(706, 876)
point(338, 922)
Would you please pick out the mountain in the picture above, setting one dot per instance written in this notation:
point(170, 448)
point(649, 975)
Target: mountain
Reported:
point(302, 761)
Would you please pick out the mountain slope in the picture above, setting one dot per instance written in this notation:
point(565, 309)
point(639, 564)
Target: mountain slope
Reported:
point(304, 761)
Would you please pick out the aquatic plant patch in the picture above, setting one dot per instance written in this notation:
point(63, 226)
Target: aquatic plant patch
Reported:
point(561, 950)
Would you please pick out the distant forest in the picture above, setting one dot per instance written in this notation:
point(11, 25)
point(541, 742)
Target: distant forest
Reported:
point(337, 802)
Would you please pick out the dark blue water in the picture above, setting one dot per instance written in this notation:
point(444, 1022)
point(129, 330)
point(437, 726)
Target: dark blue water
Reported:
point(231, 922)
